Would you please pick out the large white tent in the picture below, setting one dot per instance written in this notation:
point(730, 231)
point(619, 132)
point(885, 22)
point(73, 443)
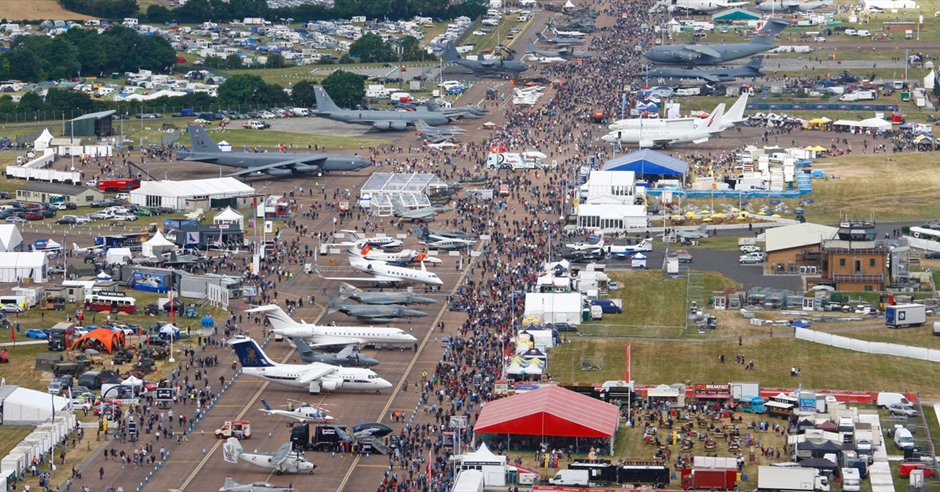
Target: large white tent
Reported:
point(10, 238)
point(176, 194)
point(119, 256)
point(492, 465)
point(23, 406)
point(229, 216)
point(15, 267)
point(156, 245)
point(876, 123)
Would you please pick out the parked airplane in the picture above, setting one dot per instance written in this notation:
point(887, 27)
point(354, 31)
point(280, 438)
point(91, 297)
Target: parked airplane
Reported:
point(437, 134)
point(284, 460)
point(664, 134)
point(404, 298)
point(714, 54)
point(700, 232)
point(446, 243)
point(595, 241)
point(304, 413)
point(732, 117)
point(375, 242)
point(82, 251)
point(373, 313)
point(347, 357)
point(621, 252)
point(423, 213)
point(315, 377)
point(440, 145)
point(204, 149)
point(378, 119)
point(569, 34)
point(559, 41)
point(322, 336)
point(232, 486)
point(450, 234)
point(485, 68)
point(694, 5)
point(752, 69)
point(791, 6)
point(372, 429)
point(404, 257)
point(563, 53)
point(384, 273)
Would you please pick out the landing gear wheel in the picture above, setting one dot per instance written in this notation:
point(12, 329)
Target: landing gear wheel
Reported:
point(278, 472)
point(377, 392)
point(319, 173)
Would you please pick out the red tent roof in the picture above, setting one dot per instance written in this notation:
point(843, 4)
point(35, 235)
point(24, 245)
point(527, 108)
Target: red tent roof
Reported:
point(549, 411)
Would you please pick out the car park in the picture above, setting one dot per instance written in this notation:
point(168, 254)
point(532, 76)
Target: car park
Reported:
point(751, 258)
point(36, 333)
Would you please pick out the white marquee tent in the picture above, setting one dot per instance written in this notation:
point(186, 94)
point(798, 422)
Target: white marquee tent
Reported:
point(23, 406)
point(10, 238)
point(156, 245)
point(176, 194)
point(492, 465)
point(42, 142)
point(119, 256)
point(15, 267)
point(229, 216)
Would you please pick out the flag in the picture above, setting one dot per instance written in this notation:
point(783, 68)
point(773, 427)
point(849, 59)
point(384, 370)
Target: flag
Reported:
point(68, 403)
point(13, 334)
point(335, 221)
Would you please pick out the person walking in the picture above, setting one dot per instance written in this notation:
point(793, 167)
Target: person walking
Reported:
point(101, 473)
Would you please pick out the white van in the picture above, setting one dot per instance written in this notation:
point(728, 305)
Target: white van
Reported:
point(689, 91)
point(863, 33)
point(885, 400)
point(570, 477)
point(903, 438)
point(851, 480)
point(868, 95)
point(850, 97)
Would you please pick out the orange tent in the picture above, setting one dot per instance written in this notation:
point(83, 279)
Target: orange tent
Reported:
point(101, 339)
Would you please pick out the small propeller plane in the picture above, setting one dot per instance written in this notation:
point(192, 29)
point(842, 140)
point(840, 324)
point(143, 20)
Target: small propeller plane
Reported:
point(284, 460)
point(305, 412)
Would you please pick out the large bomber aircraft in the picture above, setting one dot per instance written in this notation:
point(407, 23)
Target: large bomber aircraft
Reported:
point(564, 53)
point(715, 54)
point(703, 6)
point(204, 149)
point(752, 69)
point(791, 6)
point(379, 119)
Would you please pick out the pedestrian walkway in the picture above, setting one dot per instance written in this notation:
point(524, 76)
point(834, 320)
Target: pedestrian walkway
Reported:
point(879, 473)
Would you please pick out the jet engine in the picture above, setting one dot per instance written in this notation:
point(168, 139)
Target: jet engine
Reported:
point(306, 168)
point(330, 384)
point(280, 172)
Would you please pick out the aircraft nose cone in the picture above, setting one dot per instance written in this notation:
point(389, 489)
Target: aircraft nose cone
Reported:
point(609, 138)
point(383, 384)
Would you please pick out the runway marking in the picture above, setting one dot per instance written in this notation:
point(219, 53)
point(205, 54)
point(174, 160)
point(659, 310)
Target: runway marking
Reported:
point(396, 388)
point(241, 414)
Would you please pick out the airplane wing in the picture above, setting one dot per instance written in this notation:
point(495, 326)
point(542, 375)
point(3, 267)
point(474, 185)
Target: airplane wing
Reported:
point(710, 78)
point(704, 50)
point(285, 164)
point(315, 371)
point(281, 454)
point(335, 341)
point(373, 278)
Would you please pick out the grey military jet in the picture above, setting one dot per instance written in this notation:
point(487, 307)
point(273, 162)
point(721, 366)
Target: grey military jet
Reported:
point(482, 67)
point(379, 119)
point(714, 54)
point(437, 134)
point(232, 486)
point(204, 149)
point(347, 357)
point(791, 6)
point(564, 53)
point(373, 313)
point(560, 41)
point(752, 69)
point(423, 214)
point(450, 234)
point(404, 298)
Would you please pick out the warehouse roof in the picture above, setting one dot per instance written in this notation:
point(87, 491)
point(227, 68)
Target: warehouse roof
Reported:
point(95, 116)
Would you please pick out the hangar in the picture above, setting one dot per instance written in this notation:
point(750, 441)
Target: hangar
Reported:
point(649, 164)
point(90, 125)
point(550, 411)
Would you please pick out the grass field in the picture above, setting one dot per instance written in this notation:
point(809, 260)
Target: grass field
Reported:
point(35, 10)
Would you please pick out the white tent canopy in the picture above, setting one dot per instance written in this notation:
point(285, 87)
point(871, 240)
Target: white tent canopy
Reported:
point(229, 216)
point(10, 238)
point(156, 245)
point(876, 123)
point(23, 406)
point(132, 381)
point(15, 267)
point(42, 142)
point(225, 146)
point(119, 256)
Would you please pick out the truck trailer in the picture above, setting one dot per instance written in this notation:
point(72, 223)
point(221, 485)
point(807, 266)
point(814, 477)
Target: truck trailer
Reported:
point(709, 478)
point(787, 479)
point(905, 315)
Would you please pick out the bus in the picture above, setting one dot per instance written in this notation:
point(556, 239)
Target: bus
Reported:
point(120, 185)
point(113, 302)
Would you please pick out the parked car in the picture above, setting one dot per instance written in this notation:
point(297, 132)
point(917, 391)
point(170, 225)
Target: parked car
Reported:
point(13, 219)
point(898, 409)
point(67, 220)
point(11, 308)
point(751, 258)
point(683, 256)
point(66, 206)
point(33, 216)
point(36, 333)
point(932, 255)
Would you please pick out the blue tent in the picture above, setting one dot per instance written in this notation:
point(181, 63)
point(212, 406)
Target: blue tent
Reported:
point(648, 163)
point(799, 324)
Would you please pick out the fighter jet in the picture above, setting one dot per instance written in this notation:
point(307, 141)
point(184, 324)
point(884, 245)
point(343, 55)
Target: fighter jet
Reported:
point(347, 357)
point(304, 412)
point(714, 54)
point(232, 486)
point(699, 232)
point(404, 298)
point(423, 214)
point(564, 53)
point(373, 313)
point(560, 41)
point(437, 134)
point(451, 234)
point(485, 68)
point(791, 6)
point(594, 242)
point(752, 69)
point(204, 149)
point(284, 460)
point(378, 119)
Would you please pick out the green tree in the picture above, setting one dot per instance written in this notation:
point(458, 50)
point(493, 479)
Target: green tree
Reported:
point(159, 14)
point(68, 101)
point(30, 102)
point(345, 88)
point(7, 105)
point(214, 62)
point(370, 48)
point(245, 89)
point(24, 64)
point(275, 61)
point(303, 95)
point(233, 61)
point(411, 49)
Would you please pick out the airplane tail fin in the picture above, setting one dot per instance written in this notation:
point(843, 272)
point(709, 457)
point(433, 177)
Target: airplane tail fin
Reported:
point(200, 140)
point(302, 347)
point(530, 45)
point(76, 248)
point(324, 102)
point(736, 111)
point(276, 316)
point(755, 62)
point(231, 450)
point(451, 55)
point(265, 403)
point(769, 32)
point(347, 287)
point(346, 352)
point(229, 483)
point(250, 354)
point(714, 121)
point(541, 37)
point(398, 207)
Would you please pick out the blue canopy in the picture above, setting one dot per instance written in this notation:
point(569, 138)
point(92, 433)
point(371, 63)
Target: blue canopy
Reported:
point(648, 163)
point(799, 324)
